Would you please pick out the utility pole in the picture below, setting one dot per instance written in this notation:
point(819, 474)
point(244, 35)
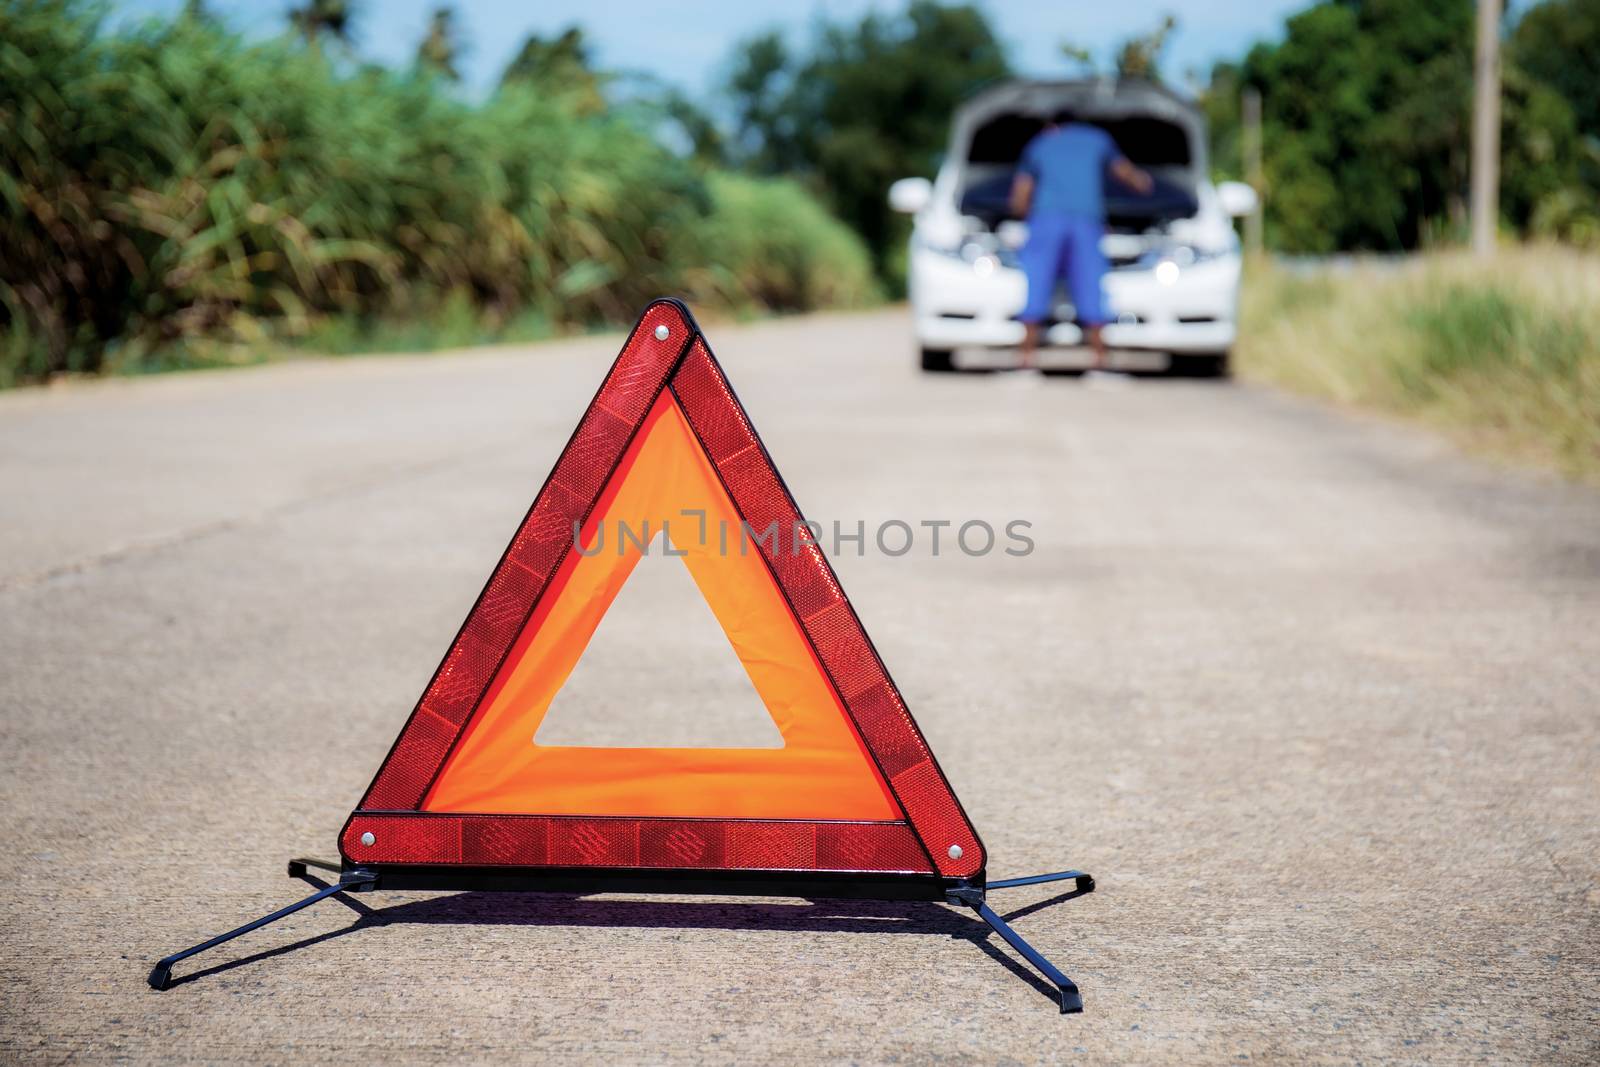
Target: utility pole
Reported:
point(1250, 149)
point(1486, 130)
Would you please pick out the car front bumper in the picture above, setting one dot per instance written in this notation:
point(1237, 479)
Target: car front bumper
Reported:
point(955, 306)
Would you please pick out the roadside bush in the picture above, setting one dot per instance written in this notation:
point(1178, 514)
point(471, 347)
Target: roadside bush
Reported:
point(176, 194)
point(768, 244)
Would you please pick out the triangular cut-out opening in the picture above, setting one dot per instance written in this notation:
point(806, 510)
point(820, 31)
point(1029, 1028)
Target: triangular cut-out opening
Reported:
point(659, 673)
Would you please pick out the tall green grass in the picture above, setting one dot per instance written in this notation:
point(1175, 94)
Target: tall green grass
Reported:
point(175, 194)
point(1504, 354)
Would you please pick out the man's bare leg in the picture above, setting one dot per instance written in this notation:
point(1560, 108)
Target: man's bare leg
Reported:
point(1097, 345)
point(1030, 345)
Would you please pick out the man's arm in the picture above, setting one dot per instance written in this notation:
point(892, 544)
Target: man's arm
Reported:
point(1021, 194)
point(1130, 175)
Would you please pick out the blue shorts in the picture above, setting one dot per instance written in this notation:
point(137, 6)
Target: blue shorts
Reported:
point(1064, 247)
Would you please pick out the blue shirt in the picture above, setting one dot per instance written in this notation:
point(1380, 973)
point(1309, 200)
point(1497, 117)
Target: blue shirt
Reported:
point(1068, 166)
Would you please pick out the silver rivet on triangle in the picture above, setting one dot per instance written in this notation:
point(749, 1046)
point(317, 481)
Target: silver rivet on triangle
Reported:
point(661, 333)
point(955, 852)
point(368, 839)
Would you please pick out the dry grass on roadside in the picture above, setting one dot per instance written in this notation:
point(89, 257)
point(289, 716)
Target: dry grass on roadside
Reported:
point(1503, 355)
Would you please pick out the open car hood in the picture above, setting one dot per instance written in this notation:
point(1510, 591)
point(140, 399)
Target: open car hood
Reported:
point(1154, 127)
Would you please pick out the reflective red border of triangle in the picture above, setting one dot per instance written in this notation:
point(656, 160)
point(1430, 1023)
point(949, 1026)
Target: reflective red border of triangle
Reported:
point(923, 844)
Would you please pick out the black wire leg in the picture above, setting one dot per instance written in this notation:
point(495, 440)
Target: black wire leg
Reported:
point(1066, 988)
point(297, 867)
point(1085, 881)
point(161, 974)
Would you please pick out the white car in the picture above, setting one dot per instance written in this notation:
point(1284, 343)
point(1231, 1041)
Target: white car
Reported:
point(1173, 287)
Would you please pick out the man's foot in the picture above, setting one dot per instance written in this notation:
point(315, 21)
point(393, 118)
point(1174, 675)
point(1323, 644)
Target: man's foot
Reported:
point(1101, 378)
point(1026, 375)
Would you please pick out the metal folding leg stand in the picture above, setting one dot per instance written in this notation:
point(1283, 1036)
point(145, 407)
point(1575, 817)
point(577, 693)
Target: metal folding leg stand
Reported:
point(973, 897)
point(349, 881)
point(356, 880)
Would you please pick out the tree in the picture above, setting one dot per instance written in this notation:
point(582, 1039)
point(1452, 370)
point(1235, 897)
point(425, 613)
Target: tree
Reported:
point(1081, 56)
point(1554, 65)
point(870, 103)
point(316, 19)
point(701, 132)
point(672, 117)
point(440, 49)
point(1138, 56)
point(1366, 112)
point(760, 87)
point(1558, 43)
point(1550, 173)
point(561, 64)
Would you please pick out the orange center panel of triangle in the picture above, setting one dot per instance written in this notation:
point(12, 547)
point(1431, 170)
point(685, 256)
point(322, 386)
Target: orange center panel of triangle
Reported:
point(665, 450)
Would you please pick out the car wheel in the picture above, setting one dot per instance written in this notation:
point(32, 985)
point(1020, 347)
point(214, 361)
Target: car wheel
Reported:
point(938, 360)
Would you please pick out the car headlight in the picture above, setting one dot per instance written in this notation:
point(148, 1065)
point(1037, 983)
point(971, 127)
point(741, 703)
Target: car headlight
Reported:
point(983, 259)
point(1169, 262)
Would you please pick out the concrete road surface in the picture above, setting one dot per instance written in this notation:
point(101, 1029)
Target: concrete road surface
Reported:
point(1316, 699)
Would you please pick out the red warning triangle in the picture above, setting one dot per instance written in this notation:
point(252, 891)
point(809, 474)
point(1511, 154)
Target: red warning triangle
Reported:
point(664, 448)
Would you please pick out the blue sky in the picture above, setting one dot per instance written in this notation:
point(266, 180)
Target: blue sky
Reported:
point(690, 46)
